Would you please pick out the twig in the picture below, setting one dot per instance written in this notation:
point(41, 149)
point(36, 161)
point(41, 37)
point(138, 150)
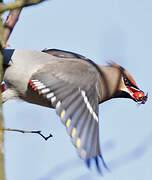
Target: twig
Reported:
point(18, 4)
point(23, 131)
point(9, 24)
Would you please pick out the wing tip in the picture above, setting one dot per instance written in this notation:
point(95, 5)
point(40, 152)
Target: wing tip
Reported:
point(98, 166)
point(104, 163)
point(88, 163)
point(97, 163)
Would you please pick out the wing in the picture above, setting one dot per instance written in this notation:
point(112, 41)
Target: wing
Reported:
point(72, 92)
point(63, 54)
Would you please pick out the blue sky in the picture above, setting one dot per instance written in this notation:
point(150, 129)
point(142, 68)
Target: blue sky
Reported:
point(101, 30)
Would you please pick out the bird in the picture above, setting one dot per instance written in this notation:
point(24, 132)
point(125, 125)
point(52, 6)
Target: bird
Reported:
point(74, 86)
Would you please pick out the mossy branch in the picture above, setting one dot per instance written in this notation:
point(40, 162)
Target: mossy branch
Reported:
point(18, 4)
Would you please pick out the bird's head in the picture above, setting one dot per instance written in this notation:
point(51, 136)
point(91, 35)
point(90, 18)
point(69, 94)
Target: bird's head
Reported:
point(122, 85)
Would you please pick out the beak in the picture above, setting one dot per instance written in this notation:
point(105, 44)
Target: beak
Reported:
point(137, 95)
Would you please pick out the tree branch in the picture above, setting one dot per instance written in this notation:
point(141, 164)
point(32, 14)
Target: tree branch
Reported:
point(9, 24)
point(2, 170)
point(33, 132)
point(18, 4)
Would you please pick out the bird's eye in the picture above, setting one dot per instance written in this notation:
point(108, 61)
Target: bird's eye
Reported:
point(126, 81)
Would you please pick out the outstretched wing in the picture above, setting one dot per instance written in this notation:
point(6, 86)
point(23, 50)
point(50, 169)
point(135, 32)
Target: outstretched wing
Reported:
point(72, 91)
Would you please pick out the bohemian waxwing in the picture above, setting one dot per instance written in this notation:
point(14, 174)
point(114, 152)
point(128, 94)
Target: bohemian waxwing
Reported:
point(73, 85)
